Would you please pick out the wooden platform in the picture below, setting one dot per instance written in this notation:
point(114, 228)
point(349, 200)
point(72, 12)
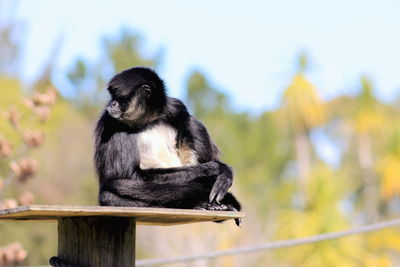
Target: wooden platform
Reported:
point(146, 216)
point(94, 236)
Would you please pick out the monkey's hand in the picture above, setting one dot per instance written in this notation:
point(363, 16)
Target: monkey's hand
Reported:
point(222, 183)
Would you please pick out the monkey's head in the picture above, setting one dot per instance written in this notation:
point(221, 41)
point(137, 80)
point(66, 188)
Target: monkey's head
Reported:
point(137, 96)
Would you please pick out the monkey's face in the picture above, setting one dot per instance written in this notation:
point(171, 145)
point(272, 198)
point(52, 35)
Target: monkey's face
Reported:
point(137, 96)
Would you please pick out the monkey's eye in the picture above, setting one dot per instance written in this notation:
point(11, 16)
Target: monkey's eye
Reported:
point(146, 90)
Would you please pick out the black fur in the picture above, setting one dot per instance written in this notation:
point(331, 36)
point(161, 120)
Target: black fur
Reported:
point(117, 156)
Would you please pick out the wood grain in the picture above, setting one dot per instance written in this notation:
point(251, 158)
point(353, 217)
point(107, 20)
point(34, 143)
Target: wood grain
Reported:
point(143, 216)
point(97, 241)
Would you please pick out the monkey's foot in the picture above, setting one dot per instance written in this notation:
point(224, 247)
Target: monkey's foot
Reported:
point(211, 206)
point(218, 207)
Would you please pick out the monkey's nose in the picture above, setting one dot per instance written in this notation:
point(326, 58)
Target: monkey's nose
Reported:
point(114, 110)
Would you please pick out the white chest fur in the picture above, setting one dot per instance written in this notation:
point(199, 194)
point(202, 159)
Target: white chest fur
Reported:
point(157, 146)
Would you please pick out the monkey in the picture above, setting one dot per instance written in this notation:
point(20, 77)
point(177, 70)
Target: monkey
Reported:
point(151, 152)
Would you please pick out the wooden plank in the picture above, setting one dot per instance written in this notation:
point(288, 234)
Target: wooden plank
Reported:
point(144, 216)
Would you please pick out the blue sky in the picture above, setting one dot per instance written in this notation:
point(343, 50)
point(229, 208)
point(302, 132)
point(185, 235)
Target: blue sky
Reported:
point(247, 48)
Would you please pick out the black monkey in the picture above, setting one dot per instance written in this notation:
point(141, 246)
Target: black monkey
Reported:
point(150, 152)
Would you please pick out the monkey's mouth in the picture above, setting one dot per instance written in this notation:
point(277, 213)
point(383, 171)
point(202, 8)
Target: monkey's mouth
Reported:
point(116, 114)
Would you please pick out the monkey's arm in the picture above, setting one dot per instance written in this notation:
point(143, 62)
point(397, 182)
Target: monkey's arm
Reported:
point(207, 150)
point(116, 157)
point(193, 134)
point(179, 175)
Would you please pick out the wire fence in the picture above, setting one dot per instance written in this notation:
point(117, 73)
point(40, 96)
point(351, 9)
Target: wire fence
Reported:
point(272, 245)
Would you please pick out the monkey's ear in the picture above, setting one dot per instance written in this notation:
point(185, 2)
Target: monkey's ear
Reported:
point(146, 90)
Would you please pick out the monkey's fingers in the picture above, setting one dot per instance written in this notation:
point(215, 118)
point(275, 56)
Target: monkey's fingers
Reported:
point(221, 195)
point(219, 190)
point(238, 222)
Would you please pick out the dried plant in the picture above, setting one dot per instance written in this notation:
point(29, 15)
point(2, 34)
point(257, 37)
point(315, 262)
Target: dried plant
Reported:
point(41, 103)
point(9, 203)
point(13, 116)
point(21, 167)
point(48, 98)
point(24, 169)
point(33, 138)
point(5, 148)
point(26, 198)
point(12, 254)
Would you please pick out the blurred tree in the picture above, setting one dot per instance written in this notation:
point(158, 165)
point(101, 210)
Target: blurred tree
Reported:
point(10, 39)
point(45, 78)
point(119, 52)
point(78, 74)
point(125, 51)
point(256, 146)
point(388, 167)
point(202, 98)
point(367, 120)
point(304, 110)
point(322, 214)
point(18, 137)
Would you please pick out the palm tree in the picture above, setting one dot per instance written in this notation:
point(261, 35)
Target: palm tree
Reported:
point(367, 119)
point(388, 167)
point(304, 110)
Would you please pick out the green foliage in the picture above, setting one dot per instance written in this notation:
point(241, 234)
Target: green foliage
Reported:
point(202, 98)
point(22, 131)
point(89, 79)
point(368, 117)
point(11, 95)
point(303, 62)
point(262, 151)
point(322, 214)
point(78, 73)
point(125, 51)
point(10, 33)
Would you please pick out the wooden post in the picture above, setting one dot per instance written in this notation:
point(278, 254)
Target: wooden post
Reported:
point(97, 241)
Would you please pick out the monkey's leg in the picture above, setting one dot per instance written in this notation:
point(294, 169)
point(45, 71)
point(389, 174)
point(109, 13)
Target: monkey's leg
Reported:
point(128, 192)
point(107, 198)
